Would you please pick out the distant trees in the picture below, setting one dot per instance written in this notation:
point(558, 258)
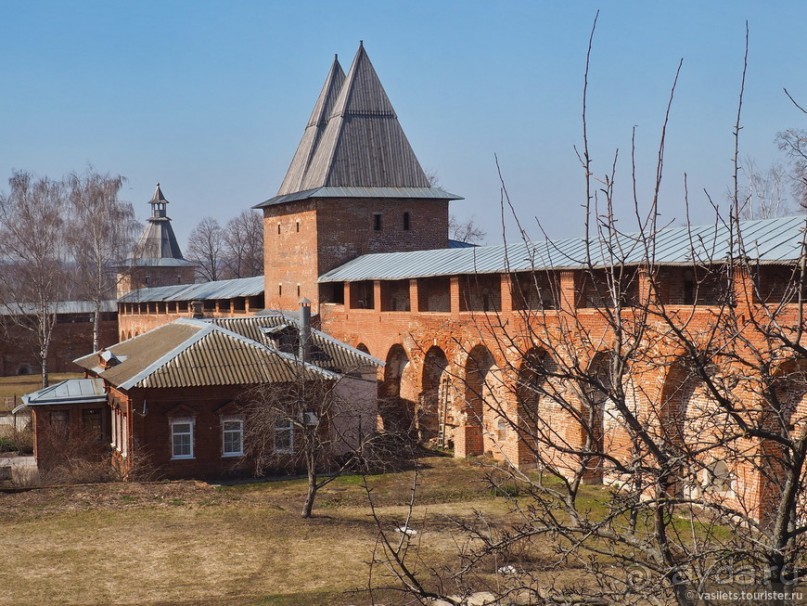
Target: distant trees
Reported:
point(34, 248)
point(59, 240)
point(465, 231)
point(232, 251)
point(100, 232)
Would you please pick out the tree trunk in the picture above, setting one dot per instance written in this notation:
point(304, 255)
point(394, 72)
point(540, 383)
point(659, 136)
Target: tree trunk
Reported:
point(308, 506)
point(96, 328)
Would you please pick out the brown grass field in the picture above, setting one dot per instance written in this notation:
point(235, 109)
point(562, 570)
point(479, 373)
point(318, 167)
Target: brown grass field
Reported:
point(195, 543)
point(19, 385)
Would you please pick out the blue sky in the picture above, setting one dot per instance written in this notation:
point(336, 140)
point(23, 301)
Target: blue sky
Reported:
point(210, 98)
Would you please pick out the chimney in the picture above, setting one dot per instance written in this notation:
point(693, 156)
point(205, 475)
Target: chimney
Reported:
point(305, 329)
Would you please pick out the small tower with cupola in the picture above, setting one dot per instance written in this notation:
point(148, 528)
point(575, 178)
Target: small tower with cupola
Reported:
point(157, 259)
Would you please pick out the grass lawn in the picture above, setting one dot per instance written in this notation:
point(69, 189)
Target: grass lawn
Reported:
point(194, 543)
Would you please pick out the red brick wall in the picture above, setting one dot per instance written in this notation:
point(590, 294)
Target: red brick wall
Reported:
point(334, 231)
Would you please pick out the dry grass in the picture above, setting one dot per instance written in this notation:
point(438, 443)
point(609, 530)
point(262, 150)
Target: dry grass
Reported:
point(192, 543)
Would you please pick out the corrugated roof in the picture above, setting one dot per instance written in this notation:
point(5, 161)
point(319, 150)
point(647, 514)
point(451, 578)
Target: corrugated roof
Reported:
point(778, 240)
point(60, 307)
point(70, 391)
point(326, 352)
point(220, 289)
point(195, 353)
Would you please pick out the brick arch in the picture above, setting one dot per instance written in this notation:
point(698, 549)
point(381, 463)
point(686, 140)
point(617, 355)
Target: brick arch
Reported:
point(486, 405)
point(396, 410)
point(362, 347)
point(436, 411)
point(538, 411)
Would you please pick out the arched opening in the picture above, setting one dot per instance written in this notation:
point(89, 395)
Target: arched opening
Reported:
point(363, 348)
point(541, 419)
point(486, 405)
point(395, 410)
point(435, 417)
point(596, 401)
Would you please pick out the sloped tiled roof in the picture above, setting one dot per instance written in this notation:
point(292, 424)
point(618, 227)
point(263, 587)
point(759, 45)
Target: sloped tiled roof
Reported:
point(194, 353)
point(354, 146)
point(778, 240)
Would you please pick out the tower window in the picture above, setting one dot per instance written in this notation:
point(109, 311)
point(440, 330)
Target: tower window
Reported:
point(377, 221)
point(298, 290)
point(298, 227)
point(279, 289)
point(278, 228)
point(406, 225)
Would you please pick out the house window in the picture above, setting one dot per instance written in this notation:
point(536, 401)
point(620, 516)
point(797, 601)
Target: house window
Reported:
point(284, 436)
point(232, 436)
point(376, 221)
point(58, 420)
point(91, 423)
point(406, 223)
point(182, 438)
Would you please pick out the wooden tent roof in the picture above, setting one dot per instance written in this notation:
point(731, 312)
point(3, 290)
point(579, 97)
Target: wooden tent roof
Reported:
point(354, 141)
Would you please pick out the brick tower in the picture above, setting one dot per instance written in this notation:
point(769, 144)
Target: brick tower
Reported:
point(353, 187)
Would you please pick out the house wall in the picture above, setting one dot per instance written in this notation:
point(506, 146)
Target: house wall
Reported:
point(149, 413)
point(66, 432)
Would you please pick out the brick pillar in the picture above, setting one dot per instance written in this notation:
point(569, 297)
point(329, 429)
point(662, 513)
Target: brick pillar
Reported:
point(455, 297)
point(507, 292)
point(568, 294)
point(414, 300)
point(743, 290)
point(467, 441)
point(346, 295)
point(647, 294)
point(377, 296)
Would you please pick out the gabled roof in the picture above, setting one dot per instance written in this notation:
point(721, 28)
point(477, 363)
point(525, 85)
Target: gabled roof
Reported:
point(358, 149)
point(293, 181)
point(766, 241)
point(195, 353)
point(205, 291)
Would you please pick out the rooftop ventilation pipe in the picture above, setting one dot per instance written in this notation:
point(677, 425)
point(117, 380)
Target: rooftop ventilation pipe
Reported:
point(305, 329)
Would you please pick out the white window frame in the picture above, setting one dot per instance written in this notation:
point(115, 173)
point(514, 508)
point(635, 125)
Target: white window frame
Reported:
point(284, 426)
point(182, 421)
point(225, 431)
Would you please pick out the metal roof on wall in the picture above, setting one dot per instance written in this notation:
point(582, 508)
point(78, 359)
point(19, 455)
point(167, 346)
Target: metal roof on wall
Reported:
point(59, 307)
point(220, 289)
point(778, 240)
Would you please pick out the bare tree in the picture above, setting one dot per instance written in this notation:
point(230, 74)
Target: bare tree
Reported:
point(764, 193)
point(793, 142)
point(100, 233)
point(33, 245)
point(465, 231)
point(320, 423)
point(205, 245)
point(243, 245)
